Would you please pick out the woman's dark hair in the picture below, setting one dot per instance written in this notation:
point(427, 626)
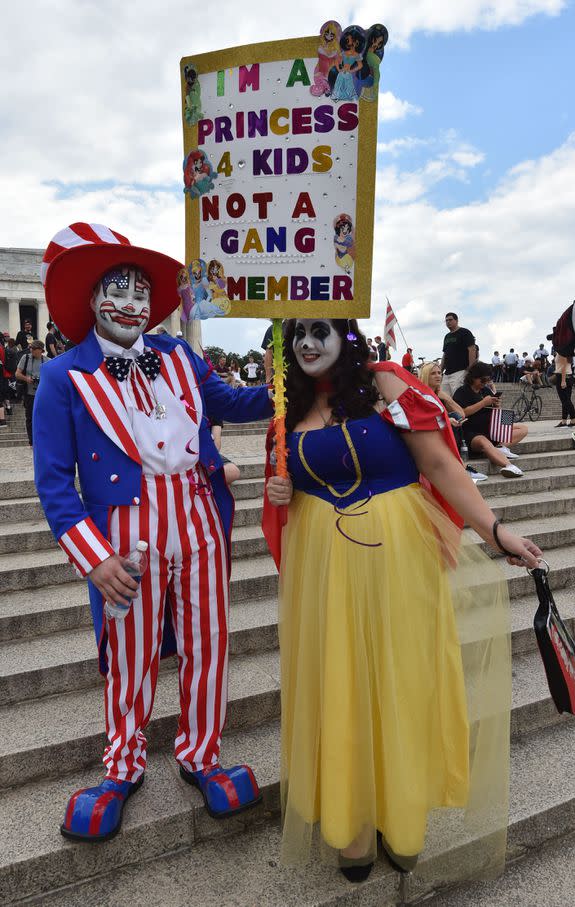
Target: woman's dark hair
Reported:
point(354, 393)
point(478, 370)
point(357, 36)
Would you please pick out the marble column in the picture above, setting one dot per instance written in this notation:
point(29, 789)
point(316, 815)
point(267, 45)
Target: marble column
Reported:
point(193, 334)
point(43, 318)
point(174, 325)
point(13, 317)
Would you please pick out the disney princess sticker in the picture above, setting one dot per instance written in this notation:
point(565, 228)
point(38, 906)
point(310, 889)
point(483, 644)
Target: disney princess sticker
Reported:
point(328, 57)
point(193, 100)
point(352, 43)
point(344, 242)
point(199, 175)
point(185, 294)
point(367, 78)
point(218, 286)
point(204, 306)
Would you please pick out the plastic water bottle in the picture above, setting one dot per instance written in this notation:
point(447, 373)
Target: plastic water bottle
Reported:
point(464, 451)
point(135, 564)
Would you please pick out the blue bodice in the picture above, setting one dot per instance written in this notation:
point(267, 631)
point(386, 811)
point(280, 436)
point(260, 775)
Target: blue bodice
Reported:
point(384, 461)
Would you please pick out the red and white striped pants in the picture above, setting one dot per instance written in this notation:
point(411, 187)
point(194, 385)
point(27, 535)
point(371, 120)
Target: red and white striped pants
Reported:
point(187, 551)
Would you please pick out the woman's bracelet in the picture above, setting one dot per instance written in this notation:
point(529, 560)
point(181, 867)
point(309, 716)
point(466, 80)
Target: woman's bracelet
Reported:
point(498, 543)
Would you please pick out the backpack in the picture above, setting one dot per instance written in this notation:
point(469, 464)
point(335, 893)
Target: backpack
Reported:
point(563, 334)
point(11, 359)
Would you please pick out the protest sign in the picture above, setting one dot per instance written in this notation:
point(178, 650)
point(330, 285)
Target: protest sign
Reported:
point(279, 173)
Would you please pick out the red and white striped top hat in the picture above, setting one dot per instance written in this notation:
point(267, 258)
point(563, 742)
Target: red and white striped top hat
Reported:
point(78, 256)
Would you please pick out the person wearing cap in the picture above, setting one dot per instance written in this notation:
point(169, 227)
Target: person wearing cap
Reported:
point(407, 359)
point(28, 372)
point(134, 414)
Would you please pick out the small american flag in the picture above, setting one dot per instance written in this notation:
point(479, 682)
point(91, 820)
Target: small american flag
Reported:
point(501, 425)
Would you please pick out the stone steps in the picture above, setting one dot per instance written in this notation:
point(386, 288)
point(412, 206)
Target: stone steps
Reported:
point(51, 720)
point(166, 816)
point(39, 736)
point(169, 852)
point(66, 661)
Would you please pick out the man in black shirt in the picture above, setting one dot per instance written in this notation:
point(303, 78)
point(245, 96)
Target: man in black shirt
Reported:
point(24, 337)
point(459, 352)
point(381, 349)
point(51, 342)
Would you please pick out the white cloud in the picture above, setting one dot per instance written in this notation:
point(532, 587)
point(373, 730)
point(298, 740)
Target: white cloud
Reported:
point(392, 108)
point(505, 264)
point(451, 158)
point(468, 158)
point(399, 146)
point(443, 16)
point(513, 334)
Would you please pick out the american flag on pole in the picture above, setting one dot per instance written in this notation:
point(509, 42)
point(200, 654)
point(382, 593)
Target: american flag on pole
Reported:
point(501, 425)
point(390, 322)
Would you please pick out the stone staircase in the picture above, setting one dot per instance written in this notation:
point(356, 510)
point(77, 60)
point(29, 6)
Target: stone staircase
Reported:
point(169, 851)
point(551, 408)
point(14, 434)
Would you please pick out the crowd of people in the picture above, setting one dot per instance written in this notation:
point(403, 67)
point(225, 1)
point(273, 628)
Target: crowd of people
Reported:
point(22, 357)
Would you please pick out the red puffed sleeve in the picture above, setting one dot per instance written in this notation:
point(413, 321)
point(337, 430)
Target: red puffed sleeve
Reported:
point(418, 409)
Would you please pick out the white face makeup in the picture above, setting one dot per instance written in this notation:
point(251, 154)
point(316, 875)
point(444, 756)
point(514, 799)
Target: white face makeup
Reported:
point(121, 304)
point(316, 345)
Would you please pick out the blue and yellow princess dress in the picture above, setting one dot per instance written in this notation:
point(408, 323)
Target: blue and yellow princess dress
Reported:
point(395, 658)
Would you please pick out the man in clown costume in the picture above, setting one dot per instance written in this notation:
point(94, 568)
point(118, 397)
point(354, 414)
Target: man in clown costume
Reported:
point(133, 419)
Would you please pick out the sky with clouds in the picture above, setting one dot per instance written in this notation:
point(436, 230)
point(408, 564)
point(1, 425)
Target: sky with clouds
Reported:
point(475, 193)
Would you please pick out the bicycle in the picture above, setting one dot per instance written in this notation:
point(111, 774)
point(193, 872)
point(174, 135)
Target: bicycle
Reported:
point(527, 404)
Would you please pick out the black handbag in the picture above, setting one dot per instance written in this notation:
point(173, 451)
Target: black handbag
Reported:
point(556, 645)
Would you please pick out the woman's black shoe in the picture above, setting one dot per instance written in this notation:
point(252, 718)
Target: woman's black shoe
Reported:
point(397, 862)
point(357, 873)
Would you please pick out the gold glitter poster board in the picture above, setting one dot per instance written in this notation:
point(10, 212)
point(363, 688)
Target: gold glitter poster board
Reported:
point(280, 146)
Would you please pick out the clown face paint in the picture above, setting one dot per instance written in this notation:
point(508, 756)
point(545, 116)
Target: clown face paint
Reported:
point(316, 345)
point(121, 304)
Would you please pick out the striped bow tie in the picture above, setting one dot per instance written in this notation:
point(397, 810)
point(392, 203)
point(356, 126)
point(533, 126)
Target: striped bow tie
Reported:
point(149, 362)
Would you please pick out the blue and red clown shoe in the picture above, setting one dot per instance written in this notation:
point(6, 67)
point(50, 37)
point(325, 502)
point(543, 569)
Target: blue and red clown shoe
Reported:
point(95, 813)
point(226, 791)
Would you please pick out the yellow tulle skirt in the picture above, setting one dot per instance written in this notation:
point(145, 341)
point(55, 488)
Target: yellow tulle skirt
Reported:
point(396, 686)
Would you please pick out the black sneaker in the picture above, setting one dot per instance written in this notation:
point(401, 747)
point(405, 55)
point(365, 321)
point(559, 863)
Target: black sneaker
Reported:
point(3, 423)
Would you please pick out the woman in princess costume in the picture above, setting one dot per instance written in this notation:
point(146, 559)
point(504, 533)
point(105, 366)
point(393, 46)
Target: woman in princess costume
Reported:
point(328, 55)
point(394, 627)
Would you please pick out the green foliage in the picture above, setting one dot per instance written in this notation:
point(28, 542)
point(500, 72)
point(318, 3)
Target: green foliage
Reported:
point(213, 353)
point(257, 356)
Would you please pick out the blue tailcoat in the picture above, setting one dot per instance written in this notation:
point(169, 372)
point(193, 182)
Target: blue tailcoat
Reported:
point(67, 435)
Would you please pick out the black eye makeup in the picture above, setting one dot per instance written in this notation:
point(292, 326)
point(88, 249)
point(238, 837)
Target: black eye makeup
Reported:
point(320, 330)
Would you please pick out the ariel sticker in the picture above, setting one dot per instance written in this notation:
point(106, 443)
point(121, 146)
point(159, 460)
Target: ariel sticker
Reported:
point(367, 78)
point(344, 242)
point(328, 57)
point(199, 174)
point(193, 104)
